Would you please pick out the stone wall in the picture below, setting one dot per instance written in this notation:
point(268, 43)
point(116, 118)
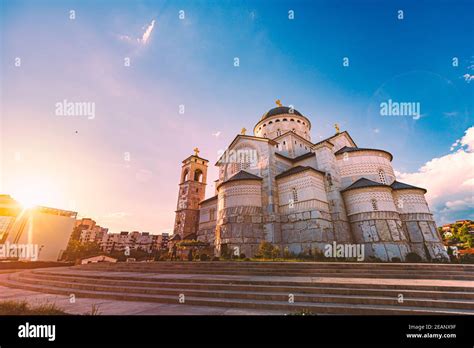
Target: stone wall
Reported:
point(382, 234)
point(305, 231)
point(241, 228)
point(424, 237)
point(326, 161)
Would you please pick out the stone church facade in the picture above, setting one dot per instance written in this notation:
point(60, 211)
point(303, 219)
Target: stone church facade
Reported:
point(278, 186)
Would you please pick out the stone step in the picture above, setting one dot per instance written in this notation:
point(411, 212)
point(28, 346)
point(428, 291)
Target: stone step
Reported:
point(288, 281)
point(275, 295)
point(319, 308)
point(281, 269)
point(289, 265)
point(344, 289)
point(315, 273)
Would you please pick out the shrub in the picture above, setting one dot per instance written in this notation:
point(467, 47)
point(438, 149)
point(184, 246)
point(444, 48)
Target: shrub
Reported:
point(413, 257)
point(215, 258)
point(268, 251)
point(396, 259)
point(242, 256)
point(23, 308)
point(204, 257)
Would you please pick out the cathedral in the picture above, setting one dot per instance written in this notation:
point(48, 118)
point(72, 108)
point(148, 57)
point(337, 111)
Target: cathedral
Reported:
point(278, 186)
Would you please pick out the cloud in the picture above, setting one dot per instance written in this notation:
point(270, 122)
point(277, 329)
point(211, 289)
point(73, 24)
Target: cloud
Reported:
point(217, 134)
point(459, 204)
point(449, 179)
point(145, 37)
point(468, 77)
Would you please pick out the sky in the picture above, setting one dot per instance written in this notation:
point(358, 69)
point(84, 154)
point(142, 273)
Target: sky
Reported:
point(162, 78)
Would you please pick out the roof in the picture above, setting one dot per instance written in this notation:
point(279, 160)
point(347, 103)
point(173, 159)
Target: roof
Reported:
point(355, 149)
point(194, 156)
point(334, 136)
point(397, 185)
point(208, 200)
point(242, 175)
point(297, 159)
point(295, 135)
point(244, 136)
point(296, 170)
point(280, 110)
point(363, 183)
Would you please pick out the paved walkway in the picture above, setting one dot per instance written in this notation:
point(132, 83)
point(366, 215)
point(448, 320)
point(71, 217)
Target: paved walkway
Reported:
point(111, 307)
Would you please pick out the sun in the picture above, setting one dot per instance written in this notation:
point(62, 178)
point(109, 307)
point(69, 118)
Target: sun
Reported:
point(35, 191)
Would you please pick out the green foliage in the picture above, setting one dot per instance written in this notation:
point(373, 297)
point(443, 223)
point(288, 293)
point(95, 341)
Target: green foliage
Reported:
point(460, 234)
point(139, 255)
point(76, 250)
point(267, 250)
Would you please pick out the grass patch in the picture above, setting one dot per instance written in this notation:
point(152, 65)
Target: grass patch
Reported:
point(24, 308)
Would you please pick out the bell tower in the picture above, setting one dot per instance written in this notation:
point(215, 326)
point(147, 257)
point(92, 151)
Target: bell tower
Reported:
point(192, 189)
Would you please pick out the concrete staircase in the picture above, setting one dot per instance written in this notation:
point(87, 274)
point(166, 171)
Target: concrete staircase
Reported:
point(322, 288)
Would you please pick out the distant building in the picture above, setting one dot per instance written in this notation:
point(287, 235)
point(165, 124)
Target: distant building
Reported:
point(46, 229)
point(89, 231)
point(99, 258)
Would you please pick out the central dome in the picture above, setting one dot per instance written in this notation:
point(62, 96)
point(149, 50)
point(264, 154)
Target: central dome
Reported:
point(280, 110)
point(281, 120)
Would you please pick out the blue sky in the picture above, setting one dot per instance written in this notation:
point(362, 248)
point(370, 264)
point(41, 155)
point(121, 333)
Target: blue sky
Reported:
point(190, 62)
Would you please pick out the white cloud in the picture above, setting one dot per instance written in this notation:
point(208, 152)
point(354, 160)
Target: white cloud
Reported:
point(217, 134)
point(449, 179)
point(145, 37)
point(459, 204)
point(147, 33)
point(468, 77)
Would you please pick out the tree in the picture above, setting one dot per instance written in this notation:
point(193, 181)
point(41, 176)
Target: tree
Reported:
point(77, 250)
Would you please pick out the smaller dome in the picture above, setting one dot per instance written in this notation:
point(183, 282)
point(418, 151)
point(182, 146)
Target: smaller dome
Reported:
point(281, 110)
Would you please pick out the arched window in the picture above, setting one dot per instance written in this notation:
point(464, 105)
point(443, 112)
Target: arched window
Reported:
point(294, 193)
point(374, 204)
point(285, 119)
point(292, 120)
point(198, 175)
point(278, 132)
point(270, 122)
point(298, 121)
point(264, 135)
point(186, 175)
point(277, 121)
point(382, 178)
point(294, 131)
